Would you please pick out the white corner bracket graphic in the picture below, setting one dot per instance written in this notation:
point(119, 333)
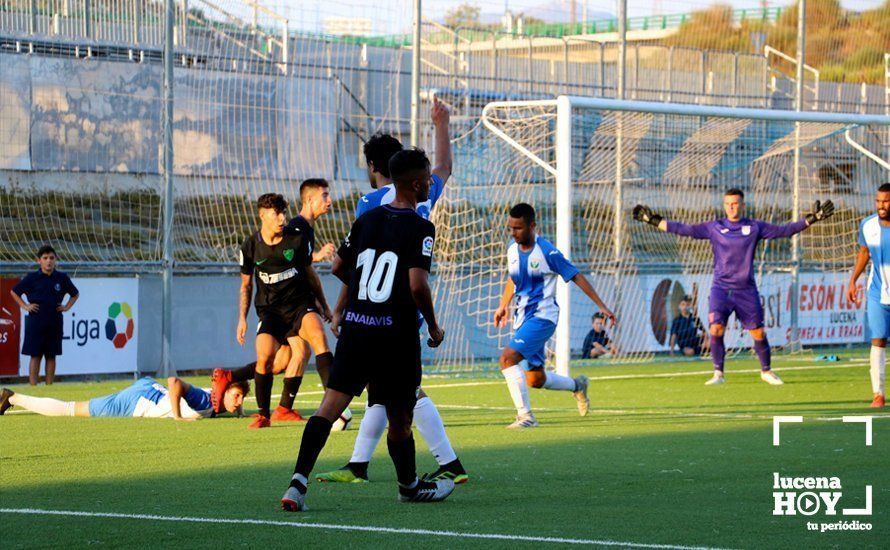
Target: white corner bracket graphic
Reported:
point(865, 420)
point(777, 422)
point(861, 511)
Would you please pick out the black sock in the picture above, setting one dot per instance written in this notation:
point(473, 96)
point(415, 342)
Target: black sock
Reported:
point(291, 387)
point(314, 437)
point(402, 454)
point(263, 383)
point(454, 466)
point(359, 469)
point(323, 362)
point(246, 372)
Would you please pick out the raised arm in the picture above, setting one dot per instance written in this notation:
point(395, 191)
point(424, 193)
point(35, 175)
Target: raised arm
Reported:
point(819, 213)
point(441, 118)
point(500, 315)
point(862, 259)
point(582, 282)
point(643, 213)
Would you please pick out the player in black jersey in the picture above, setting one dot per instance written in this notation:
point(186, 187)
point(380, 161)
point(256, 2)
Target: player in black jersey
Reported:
point(385, 262)
point(315, 201)
point(279, 259)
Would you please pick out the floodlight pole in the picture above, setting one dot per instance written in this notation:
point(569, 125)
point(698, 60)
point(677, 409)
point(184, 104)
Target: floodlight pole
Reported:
point(415, 77)
point(794, 340)
point(167, 368)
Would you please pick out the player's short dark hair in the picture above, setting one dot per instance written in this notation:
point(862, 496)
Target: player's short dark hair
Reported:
point(408, 164)
point(734, 192)
point(379, 150)
point(686, 299)
point(884, 188)
point(274, 201)
point(46, 249)
point(243, 385)
point(524, 211)
point(599, 316)
point(312, 183)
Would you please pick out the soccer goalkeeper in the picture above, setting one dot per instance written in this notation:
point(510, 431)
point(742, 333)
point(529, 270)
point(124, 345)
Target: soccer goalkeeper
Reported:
point(733, 240)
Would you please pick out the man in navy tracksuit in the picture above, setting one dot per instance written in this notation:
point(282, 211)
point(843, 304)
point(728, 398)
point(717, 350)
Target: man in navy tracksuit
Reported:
point(45, 289)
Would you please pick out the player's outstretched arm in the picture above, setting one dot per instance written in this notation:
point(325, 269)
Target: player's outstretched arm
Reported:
point(178, 388)
point(500, 315)
point(441, 117)
point(582, 282)
point(418, 278)
point(820, 211)
point(862, 259)
point(643, 213)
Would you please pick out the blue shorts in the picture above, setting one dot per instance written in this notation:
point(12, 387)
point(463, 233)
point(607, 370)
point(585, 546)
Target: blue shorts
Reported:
point(878, 316)
point(123, 403)
point(531, 338)
point(745, 303)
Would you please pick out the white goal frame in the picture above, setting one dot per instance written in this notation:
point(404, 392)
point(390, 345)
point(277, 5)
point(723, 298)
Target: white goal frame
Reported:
point(565, 106)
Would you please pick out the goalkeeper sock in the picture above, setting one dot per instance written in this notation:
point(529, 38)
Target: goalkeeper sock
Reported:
point(718, 352)
point(314, 437)
point(762, 349)
point(877, 371)
point(555, 381)
point(432, 430)
point(246, 372)
point(43, 405)
point(518, 389)
point(369, 433)
point(289, 393)
point(263, 383)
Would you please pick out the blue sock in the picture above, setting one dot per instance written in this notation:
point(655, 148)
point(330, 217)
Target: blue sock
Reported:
point(761, 348)
point(718, 352)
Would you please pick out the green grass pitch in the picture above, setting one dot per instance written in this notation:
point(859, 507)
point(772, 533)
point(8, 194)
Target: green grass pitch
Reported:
point(660, 460)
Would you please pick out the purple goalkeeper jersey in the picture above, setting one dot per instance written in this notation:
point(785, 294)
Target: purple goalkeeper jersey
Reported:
point(733, 244)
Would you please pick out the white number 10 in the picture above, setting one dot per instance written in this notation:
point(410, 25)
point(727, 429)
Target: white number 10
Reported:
point(377, 276)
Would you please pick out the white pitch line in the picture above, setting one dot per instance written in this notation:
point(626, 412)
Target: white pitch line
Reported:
point(340, 527)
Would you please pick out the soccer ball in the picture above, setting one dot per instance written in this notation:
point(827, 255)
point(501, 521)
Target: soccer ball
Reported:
point(343, 422)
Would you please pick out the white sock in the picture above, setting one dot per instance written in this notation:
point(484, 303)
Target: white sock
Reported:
point(43, 405)
point(555, 381)
point(369, 433)
point(432, 430)
point(878, 369)
point(518, 389)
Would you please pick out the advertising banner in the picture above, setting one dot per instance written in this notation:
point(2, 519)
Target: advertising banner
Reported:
point(99, 334)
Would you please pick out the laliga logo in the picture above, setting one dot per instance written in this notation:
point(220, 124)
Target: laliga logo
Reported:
point(119, 326)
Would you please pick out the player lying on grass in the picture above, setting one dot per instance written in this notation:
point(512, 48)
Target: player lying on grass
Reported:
point(378, 151)
point(733, 241)
point(146, 398)
point(874, 243)
point(385, 261)
point(293, 355)
point(534, 264)
point(279, 259)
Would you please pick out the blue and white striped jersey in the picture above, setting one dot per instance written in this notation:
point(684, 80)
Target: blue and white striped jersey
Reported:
point(534, 276)
point(387, 194)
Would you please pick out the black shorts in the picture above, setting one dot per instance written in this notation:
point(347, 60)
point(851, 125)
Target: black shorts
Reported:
point(42, 336)
point(275, 324)
point(389, 367)
point(297, 317)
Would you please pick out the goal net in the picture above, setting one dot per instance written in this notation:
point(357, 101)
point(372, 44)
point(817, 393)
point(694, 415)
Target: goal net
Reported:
point(584, 166)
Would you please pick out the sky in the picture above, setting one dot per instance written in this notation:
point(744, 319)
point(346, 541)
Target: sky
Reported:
point(394, 16)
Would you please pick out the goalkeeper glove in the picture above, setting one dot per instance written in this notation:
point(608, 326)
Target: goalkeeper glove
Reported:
point(644, 214)
point(821, 211)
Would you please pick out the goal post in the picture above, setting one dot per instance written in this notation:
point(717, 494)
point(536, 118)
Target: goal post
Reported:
point(605, 155)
